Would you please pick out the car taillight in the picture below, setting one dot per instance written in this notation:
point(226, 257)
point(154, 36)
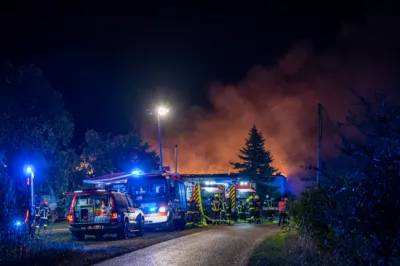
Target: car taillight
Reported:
point(114, 215)
point(70, 218)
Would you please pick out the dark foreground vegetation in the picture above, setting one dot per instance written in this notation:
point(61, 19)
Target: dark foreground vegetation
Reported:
point(36, 129)
point(353, 216)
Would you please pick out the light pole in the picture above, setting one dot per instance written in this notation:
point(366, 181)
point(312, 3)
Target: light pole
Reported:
point(161, 111)
point(29, 171)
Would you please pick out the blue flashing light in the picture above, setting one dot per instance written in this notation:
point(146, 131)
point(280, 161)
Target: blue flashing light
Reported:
point(18, 223)
point(153, 209)
point(29, 170)
point(137, 172)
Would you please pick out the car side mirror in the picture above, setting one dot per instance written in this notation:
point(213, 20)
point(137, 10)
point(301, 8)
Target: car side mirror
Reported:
point(137, 205)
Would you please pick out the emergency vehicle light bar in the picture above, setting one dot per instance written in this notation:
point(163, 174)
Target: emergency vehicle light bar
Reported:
point(85, 190)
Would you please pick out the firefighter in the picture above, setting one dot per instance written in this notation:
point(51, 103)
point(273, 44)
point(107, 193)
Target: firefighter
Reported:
point(246, 209)
point(234, 215)
point(266, 201)
point(228, 208)
point(193, 212)
point(44, 214)
point(189, 212)
point(223, 210)
point(216, 209)
point(257, 209)
point(241, 211)
point(250, 218)
point(282, 211)
point(196, 212)
point(37, 215)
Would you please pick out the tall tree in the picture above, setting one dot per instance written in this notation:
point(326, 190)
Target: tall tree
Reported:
point(256, 162)
point(34, 128)
point(121, 153)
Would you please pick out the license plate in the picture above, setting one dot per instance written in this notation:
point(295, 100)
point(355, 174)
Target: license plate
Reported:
point(95, 227)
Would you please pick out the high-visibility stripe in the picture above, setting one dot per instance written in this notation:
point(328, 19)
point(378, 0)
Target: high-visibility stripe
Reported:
point(232, 195)
point(196, 194)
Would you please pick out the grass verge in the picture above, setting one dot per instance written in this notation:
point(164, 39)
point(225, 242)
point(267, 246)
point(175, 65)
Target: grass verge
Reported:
point(275, 250)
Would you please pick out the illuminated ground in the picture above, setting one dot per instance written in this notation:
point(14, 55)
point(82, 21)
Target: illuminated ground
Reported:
point(225, 245)
point(229, 240)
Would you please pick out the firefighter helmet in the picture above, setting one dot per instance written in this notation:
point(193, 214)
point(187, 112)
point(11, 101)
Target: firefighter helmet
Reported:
point(227, 196)
point(216, 196)
point(256, 197)
point(251, 197)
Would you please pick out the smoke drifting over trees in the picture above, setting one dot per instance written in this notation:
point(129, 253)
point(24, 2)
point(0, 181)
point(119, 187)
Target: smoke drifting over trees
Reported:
point(282, 101)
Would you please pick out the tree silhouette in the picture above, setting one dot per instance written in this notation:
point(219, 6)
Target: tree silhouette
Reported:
point(255, 162)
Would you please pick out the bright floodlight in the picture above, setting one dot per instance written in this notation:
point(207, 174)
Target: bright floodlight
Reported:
point(137, 172)
point(162, 110)
point(29, 170)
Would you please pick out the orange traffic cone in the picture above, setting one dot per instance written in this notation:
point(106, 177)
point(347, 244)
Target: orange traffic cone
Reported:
point(103, 209)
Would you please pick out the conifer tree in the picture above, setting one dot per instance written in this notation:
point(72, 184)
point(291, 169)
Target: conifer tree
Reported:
point(255, 162)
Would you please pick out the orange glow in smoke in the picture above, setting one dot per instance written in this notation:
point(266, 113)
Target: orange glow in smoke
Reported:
point(281, 100)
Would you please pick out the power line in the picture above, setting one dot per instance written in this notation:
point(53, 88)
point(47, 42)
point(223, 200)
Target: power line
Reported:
point(334, 125)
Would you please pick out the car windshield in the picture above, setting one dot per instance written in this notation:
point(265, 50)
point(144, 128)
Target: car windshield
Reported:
point(149, 190)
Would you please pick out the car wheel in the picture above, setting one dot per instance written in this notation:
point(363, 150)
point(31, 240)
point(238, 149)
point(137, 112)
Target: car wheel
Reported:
point(141, 229)
point(80, 236)
point(123, 232)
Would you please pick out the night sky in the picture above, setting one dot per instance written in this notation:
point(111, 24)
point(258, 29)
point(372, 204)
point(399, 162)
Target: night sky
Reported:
point(222, 68)
point(113, 61)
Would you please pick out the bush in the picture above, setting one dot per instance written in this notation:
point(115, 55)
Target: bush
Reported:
point(354, 218)
point(17, 241)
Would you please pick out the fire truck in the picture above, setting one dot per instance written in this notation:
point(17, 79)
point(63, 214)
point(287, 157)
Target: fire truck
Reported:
point(160, 195)
point(203, 187)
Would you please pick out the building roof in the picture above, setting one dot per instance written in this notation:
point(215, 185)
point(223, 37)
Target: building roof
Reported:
point(123, 177)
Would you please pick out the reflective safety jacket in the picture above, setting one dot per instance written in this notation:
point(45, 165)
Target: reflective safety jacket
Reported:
point(44, 212)
point(251, 204)
point(37, 211)
point(216, 205)
point(223, 206)
point(282, 206)
point(241, 208)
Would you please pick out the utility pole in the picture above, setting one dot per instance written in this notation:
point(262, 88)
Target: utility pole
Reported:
point(176, 158)
point(159, 142)
point(319, 142)
point(160, 111)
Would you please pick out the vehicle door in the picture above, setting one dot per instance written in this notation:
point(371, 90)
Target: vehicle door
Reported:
point(182, 195)
point(132, 212)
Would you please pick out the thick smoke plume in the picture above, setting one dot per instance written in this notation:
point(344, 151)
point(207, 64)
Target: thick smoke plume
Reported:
point(281, 100)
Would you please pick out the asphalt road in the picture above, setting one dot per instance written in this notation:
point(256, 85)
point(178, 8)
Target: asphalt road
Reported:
point(231, 246)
